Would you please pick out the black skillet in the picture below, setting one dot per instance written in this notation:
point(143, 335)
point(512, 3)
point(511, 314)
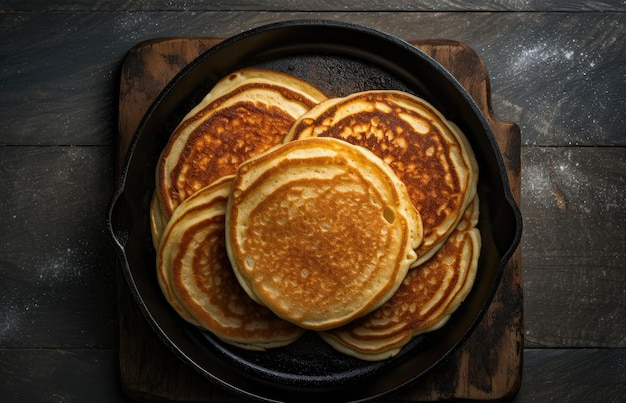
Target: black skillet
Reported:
point(339, 58)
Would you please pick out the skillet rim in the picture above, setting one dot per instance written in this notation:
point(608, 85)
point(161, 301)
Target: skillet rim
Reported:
point(117, 202)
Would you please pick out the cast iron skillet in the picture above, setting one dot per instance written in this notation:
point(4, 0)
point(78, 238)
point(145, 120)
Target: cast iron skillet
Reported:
point(339, 58)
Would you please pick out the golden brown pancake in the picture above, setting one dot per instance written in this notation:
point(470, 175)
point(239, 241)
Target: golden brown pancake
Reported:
point(429, 153)
point(257, 77)
point(246, 113)
point(320, 231)
point(196, 277)
point(424, 302)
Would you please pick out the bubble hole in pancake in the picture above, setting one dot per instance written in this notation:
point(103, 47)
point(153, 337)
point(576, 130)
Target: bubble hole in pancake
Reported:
point(429, 153)
point(320, 231)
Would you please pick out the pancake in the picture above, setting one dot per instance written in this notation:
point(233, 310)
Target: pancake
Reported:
point(196, 277)
point(246, 113)
point(320, 231)
point(429, 153)
point(424, 302)
point(257, 77)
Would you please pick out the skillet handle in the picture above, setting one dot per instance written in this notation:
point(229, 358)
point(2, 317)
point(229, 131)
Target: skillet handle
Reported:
point(120, 222)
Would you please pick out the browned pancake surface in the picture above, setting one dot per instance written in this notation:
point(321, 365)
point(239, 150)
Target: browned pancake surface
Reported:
point(245, 114)
point(320, 231)
point(198, 278)
point(424, 302)
point(223, 141)
point(228, 136)
point(410, 135)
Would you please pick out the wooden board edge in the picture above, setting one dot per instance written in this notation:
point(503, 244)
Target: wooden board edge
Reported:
point(507, 138)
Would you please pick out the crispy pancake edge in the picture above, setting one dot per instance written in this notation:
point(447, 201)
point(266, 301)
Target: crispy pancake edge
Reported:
point(236, 254)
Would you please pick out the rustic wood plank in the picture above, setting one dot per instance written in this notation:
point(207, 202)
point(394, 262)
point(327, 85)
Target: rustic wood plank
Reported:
point(58, 79)
point(561, 76)
point(573, 375)
point(573, 246)
point(56, 283)
point(90, 375)
point(569, 79)
point(307, 5)
point(83, 375)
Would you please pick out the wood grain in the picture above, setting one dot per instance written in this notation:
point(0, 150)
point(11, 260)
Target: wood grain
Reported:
point(326, 5)
point(580, 375)
point(575, 232)
point(60, 375)
point(560, 75)
point(91, 375)
point(487, 367)
point(56, 284)
point(563, 83)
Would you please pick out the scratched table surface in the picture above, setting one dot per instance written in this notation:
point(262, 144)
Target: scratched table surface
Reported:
point(556, 68)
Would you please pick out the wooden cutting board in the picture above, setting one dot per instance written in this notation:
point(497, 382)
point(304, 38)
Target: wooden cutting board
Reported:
point(488, 365)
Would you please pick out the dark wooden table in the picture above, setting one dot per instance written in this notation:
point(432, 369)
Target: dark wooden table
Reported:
point(557, 69)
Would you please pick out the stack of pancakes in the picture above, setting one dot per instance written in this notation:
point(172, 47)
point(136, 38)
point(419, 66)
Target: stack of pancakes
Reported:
point(321, 231)
point(244, 114)
point(195, 276)
point(279, 210)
